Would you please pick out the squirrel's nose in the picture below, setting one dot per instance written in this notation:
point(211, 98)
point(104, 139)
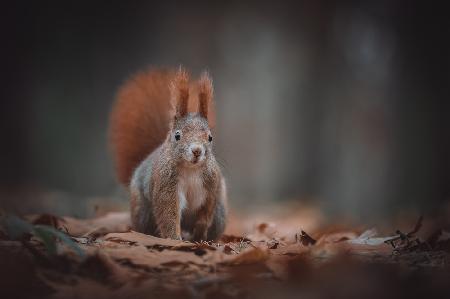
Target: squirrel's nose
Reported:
point(197, 151)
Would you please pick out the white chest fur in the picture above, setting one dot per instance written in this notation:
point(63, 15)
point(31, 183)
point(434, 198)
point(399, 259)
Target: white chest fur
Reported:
point(191, 192)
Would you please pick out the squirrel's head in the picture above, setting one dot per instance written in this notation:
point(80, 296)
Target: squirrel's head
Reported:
point(190, 134)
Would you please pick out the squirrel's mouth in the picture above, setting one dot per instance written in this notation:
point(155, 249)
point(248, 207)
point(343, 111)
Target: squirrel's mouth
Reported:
point(194, 161)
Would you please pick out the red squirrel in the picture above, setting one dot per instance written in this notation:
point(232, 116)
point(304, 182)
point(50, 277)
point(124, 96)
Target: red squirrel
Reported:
point(160, 130)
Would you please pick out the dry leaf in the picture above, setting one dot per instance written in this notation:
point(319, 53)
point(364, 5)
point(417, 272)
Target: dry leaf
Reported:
point(141, 256)
point(127, 264)
point(111, 222)
point(249, 256)
point(336, 237)
point(227, 249)
point(133, 237)
point(103, 269)
point(290, 250)
point(306, 239)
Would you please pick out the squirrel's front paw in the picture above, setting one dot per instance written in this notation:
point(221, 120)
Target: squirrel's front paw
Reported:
point(200, 232)
point(169, 230)
point(170, 235)
point(175, 237)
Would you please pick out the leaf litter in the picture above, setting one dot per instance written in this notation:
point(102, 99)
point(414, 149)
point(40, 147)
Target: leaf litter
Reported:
point(102, 257)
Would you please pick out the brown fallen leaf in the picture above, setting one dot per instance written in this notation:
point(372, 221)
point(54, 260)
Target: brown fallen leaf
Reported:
point(290, 250)
point(306, 239)
point(111, 222)
point(248, 256)
point(103, 269)
point(227, 249)
point(133, 237)
point(332, 249)
point(336, 237)
point(141, 256)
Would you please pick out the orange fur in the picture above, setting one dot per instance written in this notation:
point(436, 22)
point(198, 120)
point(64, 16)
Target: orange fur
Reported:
point(142, 113)
point(180, 92)
point(205, 94)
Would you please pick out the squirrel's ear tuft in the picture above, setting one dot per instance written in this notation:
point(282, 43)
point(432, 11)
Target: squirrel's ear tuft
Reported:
point(205, 94)
point(179, 89)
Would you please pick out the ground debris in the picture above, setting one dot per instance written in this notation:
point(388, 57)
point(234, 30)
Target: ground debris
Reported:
point(120, 263)
point(305, 239)
point(406, 242)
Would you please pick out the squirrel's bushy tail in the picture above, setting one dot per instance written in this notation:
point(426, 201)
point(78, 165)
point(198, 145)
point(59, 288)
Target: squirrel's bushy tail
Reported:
point(141, 117)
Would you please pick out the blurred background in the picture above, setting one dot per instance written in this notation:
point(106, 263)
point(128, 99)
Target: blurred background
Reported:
point(340, 105)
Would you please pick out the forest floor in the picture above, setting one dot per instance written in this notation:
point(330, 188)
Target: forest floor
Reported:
point(290, 254)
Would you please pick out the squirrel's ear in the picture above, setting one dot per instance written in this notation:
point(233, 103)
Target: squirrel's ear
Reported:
point(179, 90)
point(205, 94)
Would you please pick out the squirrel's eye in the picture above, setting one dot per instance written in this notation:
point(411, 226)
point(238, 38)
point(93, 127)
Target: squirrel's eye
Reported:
point(177, 135)
point(209, 138)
